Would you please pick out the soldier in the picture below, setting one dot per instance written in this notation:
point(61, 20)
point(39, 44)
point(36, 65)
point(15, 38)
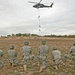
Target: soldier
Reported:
point(27, 54)
point(56, 56)
point(12, 56)
point(42, 55)
point(72, 53)
point(1, 62)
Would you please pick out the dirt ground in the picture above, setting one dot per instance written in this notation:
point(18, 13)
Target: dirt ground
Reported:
point(63, 45)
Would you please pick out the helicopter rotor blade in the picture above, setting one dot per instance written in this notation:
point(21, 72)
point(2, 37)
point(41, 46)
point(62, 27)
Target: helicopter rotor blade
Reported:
point(40, 1)
point(32, 2)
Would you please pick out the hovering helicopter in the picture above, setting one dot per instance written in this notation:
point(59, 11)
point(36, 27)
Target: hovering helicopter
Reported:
point(40, 5)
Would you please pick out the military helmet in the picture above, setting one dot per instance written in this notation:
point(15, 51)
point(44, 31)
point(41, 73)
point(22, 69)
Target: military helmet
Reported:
point(54, 48)
point(11, 47)
point(43, 42)
point(26, 43)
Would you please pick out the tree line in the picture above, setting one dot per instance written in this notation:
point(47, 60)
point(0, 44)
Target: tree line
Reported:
point(28, 35)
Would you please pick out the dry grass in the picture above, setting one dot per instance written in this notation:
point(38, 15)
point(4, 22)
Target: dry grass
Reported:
point(63, 44)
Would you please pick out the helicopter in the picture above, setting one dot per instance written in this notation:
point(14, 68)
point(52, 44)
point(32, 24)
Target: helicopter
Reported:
point(40, 5)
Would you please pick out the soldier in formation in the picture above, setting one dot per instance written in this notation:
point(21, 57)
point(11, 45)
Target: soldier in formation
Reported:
point(42, 55)
point(72, 53)
point(27, 54)
point(12, 56)
point(56, 56)
point(1, 62)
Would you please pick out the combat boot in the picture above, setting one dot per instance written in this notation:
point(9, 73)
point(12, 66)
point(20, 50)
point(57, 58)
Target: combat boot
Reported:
point(41, 68)
point(25, 68)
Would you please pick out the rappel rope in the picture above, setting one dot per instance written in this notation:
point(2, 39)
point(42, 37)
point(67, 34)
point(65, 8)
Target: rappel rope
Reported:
point(39, 20)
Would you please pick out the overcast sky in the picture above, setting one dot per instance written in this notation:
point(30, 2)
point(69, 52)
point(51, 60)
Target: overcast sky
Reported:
point(18, 16)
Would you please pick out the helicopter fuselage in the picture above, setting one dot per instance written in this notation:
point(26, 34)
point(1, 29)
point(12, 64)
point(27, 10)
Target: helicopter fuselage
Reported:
point(40, 6)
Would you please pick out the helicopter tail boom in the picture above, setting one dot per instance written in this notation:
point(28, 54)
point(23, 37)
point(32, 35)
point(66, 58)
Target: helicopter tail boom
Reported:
point(51, 5)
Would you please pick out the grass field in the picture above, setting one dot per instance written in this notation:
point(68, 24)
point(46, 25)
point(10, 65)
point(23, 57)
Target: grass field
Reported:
point(63, 45)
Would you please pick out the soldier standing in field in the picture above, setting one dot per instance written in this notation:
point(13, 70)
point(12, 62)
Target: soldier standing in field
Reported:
point(72, 53)
point(12, 56)
point(42, 55)
point(56, 56)
point(1, 62)
point(27, 54)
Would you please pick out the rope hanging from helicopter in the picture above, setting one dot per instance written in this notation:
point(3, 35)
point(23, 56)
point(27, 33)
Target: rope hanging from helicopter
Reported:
point(39, 20)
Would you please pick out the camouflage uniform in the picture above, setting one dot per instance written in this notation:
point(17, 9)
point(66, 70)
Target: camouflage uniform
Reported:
point(27, 53)
point(72, 54)
point(42, 54)
point(56, 55)
point(1, 62)
point(12, 56)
